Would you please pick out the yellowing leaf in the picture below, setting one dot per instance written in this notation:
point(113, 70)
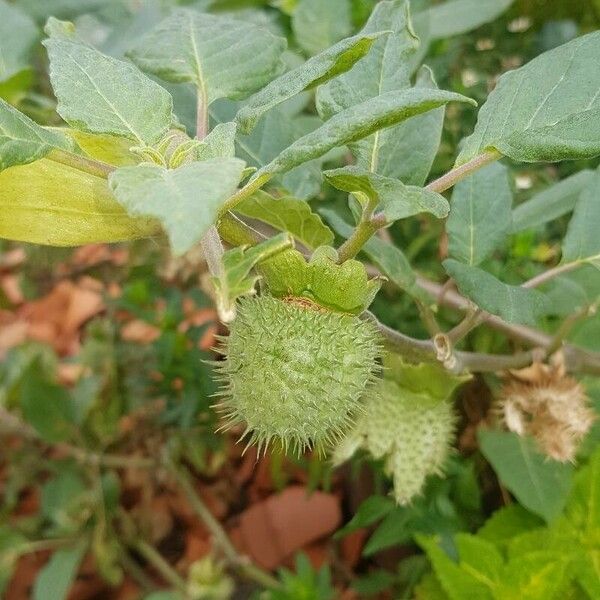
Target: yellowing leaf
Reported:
point(49, 203)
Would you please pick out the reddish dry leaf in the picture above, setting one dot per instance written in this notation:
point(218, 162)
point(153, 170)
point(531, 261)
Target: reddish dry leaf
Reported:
point(274, 529)
point(139, 332)
point(12, 289)
point(56, 318)
point(352, 545)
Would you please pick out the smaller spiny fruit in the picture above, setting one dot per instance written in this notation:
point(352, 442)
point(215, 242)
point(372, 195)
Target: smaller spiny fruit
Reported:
point(411, 431)
point(295, 372)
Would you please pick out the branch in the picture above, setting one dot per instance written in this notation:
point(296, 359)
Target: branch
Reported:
point(12, 425)
point(236, 232)
point(577, 359)
point(459, 361)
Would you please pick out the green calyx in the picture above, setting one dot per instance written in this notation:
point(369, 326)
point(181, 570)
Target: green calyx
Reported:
point(408, 422)
point(343, 288)
point(295, 373)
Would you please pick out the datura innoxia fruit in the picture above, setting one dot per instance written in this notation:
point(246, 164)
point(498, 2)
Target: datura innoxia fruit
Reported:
point(295, 372)
point(408, 422)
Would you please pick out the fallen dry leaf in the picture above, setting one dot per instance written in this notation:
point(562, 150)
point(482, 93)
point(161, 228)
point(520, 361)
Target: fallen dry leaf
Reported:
point(139, 332)
point(57, 317)
point(274, 529)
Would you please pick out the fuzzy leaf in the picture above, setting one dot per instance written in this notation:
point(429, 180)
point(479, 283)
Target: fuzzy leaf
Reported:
point(582, 242)
point(541, 485)
point(238, 262)
point(480, 214)
point(274, 133)
point(318, 25)
point(548, 110)
point(18, 34)
point(551, 203)
point(219, 143)
point(49, 203)
point(396, 199)
point(56, 577)
point(405, 151)
point(459, 16)
point(514, 304)
point(387, 258)
point(185, 200)
point(100, 94)
point(288, 214)
point(315, 71)
point(223, 57)
point(358, 122)
point(23, 141)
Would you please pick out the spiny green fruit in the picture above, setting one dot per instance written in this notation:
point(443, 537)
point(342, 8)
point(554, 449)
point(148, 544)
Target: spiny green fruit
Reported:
point(294, 372)
point(410, 430)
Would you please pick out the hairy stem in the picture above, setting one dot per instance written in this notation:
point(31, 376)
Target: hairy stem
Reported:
point(452, 177)
point(81, 163)
point(252, 186)
point(210, 243)
point(370, 223)
point(360, 236)
point(220, 537)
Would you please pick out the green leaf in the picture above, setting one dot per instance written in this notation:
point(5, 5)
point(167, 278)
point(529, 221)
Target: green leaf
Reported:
point(23, 141)
point(318, 25)
point(101, 94)
point(507, 523)
point(55, 579)
point(396, 199)
point(46, 406)
point(463, 580)
point(514, 304)
point(315, 71)
point(185, 200)
point(583, 508)
point(238, 262)
point(459, 16)
point(288, 214)
point(358, 122)
point(480, 217)
point(219, 143)
point(18, 34)
point(274, 133)
point(370, 511)
point(390, 260)
point(407, 151)
point(385, 69)
point(582, 242)
point(223, 57)
point(61, 9)
point(49, 203)
point(548, 110)
point(551, 203)
point(540, 484)
point(63, 500)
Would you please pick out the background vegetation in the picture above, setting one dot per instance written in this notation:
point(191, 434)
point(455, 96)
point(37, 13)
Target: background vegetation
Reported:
point(106, 383)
